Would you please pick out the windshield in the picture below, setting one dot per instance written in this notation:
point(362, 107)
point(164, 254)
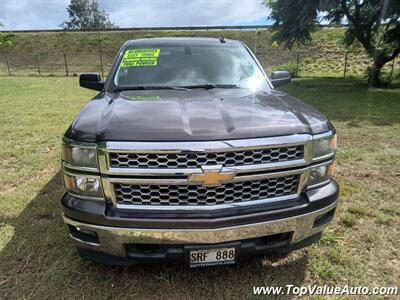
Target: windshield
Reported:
point(224, 66)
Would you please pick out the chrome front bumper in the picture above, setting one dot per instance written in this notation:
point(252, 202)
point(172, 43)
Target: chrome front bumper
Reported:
point(112, 240)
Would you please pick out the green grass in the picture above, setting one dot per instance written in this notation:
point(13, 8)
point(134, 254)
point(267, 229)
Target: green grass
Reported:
point(323, 57)
point(37, 260)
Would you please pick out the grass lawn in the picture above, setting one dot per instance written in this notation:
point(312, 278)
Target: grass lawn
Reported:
point(37, 260)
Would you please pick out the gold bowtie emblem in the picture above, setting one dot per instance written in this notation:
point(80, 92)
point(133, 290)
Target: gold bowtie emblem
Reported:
point(212, 176)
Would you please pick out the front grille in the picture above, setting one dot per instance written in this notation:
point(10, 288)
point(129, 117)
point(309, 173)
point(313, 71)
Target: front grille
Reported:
point(233, 192)
point(197, 159)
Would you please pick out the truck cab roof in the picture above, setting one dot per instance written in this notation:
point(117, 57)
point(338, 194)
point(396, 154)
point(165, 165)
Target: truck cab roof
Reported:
point(189, 41)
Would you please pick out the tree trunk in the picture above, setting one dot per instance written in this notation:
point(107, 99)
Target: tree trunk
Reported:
point(380, 59)
point(374, 79)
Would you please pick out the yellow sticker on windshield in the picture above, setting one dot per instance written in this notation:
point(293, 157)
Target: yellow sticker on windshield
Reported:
point(140, 58)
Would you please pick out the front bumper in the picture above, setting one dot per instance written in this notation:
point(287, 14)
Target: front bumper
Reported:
point(290, 227)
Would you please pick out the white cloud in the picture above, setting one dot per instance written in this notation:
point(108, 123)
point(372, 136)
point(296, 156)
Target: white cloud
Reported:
point(181, 12)
point(40, 14)
point(34, 14)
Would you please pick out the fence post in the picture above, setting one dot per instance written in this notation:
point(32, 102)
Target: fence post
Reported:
point(66, 66)
point(255, 42)
point(297, 64)
point(101, 64)
point(8, 65)
point(345, 65)
point(38, 66)
point(100, 54)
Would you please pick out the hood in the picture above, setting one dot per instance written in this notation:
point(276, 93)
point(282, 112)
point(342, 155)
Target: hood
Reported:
point(173, 115)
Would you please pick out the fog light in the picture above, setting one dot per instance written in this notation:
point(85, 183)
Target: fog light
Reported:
point(86, 231)
point(83, 235)
point(324, 218)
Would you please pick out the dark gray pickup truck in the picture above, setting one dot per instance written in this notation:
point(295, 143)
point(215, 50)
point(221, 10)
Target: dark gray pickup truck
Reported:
point(189, 154)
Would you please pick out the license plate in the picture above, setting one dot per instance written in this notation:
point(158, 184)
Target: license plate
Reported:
point(211, 257)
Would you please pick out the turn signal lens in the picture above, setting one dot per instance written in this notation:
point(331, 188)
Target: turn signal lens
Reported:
point(333, 142)
point(331, 170)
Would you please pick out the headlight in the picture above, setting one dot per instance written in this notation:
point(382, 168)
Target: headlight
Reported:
point(86, 185)
point(320, 174)
point(324, 146)
point(79, 155)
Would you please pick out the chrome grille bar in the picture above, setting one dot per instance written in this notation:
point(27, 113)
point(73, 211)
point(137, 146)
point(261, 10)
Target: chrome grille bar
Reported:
point(197, 159)
point(122, 184)
point(295, 151)
point(166, 195)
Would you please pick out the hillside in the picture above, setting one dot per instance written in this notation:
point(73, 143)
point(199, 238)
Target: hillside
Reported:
point(71, 42)
point(58, 53)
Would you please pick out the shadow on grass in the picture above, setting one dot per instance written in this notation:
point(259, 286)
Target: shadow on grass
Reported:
point(349, 100)
point(40, 260)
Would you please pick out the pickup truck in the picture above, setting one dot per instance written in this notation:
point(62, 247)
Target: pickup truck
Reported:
point(189, 154)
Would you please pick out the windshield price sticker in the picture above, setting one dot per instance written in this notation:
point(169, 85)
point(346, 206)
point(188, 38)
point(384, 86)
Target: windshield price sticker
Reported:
point(140, 58)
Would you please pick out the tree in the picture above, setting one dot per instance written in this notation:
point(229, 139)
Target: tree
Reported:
point(375, 24)
point(6, 40)
point(86, 15)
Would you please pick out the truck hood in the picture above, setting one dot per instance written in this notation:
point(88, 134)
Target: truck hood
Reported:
point(173, 115)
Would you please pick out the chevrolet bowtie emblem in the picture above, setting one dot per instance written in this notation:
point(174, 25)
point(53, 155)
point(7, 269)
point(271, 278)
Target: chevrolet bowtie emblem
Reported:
point(212, 176)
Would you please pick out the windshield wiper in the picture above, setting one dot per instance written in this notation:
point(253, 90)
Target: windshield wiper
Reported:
point(149, 87)
point(209, 86)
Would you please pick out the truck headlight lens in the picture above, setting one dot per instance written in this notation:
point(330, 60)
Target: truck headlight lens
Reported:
point(81, 156)
point(83, 185)
point(321, 173)
point(324, 146)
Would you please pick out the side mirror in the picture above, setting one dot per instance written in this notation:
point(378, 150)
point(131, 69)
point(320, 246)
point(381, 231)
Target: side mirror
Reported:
point(91, 81)
point(279, 78)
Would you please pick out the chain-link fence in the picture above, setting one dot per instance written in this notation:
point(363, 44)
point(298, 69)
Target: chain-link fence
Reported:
point(55, 64)
point(322, 63)
point(298, 63)
point(69, 53)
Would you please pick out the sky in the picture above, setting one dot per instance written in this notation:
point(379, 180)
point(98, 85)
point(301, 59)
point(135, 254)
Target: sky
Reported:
point(49, 14)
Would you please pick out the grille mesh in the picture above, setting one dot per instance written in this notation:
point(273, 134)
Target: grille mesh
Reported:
point(197, 159)
point(201, 195)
